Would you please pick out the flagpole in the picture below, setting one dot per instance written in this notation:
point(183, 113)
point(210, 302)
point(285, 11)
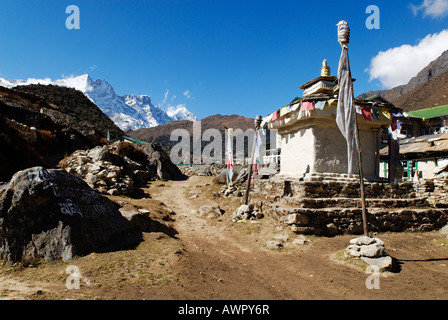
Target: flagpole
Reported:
point(343, 39)
point(361, 178)
point(258, 121)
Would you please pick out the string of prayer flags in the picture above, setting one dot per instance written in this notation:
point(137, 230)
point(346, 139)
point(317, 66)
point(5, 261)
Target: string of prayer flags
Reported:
point(275, 115)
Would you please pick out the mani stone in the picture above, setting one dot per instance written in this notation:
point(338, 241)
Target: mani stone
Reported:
point(365, 247)
point(207, 211)
point(51, 214)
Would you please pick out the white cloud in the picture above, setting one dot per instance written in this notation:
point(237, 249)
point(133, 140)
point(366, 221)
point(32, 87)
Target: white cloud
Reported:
point(397, 66)
point(432, 8)
point(165, 99)
point(187, 94)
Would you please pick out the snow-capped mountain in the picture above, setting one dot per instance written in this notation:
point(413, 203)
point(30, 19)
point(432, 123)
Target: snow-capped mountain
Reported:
point(129, 112)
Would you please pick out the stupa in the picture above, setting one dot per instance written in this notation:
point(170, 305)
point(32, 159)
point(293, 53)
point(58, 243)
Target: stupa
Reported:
point(311, 142)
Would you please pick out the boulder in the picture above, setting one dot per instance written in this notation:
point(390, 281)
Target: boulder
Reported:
point(296, 218)
point(210, 211)
point(274, 244)
point(381, 263)
point(243, 212)
point(51, 214)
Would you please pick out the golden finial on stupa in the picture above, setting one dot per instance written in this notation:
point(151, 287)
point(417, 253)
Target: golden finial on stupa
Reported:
point(325, 70)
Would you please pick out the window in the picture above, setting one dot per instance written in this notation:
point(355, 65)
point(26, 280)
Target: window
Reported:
point(407, 130)
point(426, 131)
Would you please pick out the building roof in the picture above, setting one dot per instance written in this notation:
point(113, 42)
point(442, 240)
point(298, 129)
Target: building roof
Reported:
point(429, 113)
point(311, 82)
point(422, 147)
point(378, 98)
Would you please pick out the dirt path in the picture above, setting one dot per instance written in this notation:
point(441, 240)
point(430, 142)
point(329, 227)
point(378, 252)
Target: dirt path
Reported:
point(226, 261)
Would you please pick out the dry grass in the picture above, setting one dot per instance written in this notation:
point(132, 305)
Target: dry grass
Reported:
point(148, 265)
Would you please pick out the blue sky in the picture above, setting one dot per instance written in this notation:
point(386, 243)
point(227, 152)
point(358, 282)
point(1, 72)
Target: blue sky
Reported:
point(241, 57)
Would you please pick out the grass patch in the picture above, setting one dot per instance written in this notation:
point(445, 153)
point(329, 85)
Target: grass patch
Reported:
point(248, 228)
point(351, 261)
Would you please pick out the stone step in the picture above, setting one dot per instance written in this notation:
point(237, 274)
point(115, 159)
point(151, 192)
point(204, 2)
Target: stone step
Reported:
point(340, 220)
point(353, 202)
point(336, 211)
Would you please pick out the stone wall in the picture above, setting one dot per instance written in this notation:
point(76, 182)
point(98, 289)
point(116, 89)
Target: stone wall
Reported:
point(436, 191)
point(331, 205)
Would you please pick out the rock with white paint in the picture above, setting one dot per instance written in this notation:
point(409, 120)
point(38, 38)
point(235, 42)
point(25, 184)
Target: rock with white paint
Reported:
point(51, 214)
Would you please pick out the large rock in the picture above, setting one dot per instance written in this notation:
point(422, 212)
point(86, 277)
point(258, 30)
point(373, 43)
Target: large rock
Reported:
point(160, 162)
point(51, 214)
point(207, 211)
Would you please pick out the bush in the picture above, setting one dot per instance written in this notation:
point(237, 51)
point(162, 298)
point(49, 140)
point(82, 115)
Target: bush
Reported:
point(126, 149)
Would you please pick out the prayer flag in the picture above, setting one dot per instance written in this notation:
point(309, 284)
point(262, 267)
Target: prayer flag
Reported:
point(258, 152)
point(367, 114)
point(394, 124)
point(229, 157)
point(375, 115)
point(283, 111)
point(386, 114)
point(345, 114)
point(396, 113)
point(331, 102)
point(320, 105)
point(307, 105)
point(295, 106)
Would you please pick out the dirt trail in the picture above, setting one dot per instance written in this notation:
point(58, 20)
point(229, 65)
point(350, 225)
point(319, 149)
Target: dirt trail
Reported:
point(224, 261)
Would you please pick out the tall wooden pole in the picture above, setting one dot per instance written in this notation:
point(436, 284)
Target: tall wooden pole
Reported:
point(361, 178)
point(251, 163)
point(344, 39)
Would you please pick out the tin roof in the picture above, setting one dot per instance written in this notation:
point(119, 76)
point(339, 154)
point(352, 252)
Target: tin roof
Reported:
point(429, 113)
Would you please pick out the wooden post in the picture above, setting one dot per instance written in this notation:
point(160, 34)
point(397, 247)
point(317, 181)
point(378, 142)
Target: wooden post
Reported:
point(361, 178)
point(344, 39)
point(251, 163)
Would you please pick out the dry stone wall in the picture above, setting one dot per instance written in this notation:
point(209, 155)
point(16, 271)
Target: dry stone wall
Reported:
point(332, 206)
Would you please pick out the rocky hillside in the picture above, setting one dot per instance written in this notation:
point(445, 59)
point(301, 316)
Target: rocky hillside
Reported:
point(161, 134)
point(427, 89)
point(40, 128)
point(73, 103)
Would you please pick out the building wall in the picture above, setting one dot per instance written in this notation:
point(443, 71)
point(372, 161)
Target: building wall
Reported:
point(323, 149)
point(424, 168)
point(298, 155)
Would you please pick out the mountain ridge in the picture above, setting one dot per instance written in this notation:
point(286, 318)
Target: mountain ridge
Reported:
point(161, 134)
point(40, 124)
